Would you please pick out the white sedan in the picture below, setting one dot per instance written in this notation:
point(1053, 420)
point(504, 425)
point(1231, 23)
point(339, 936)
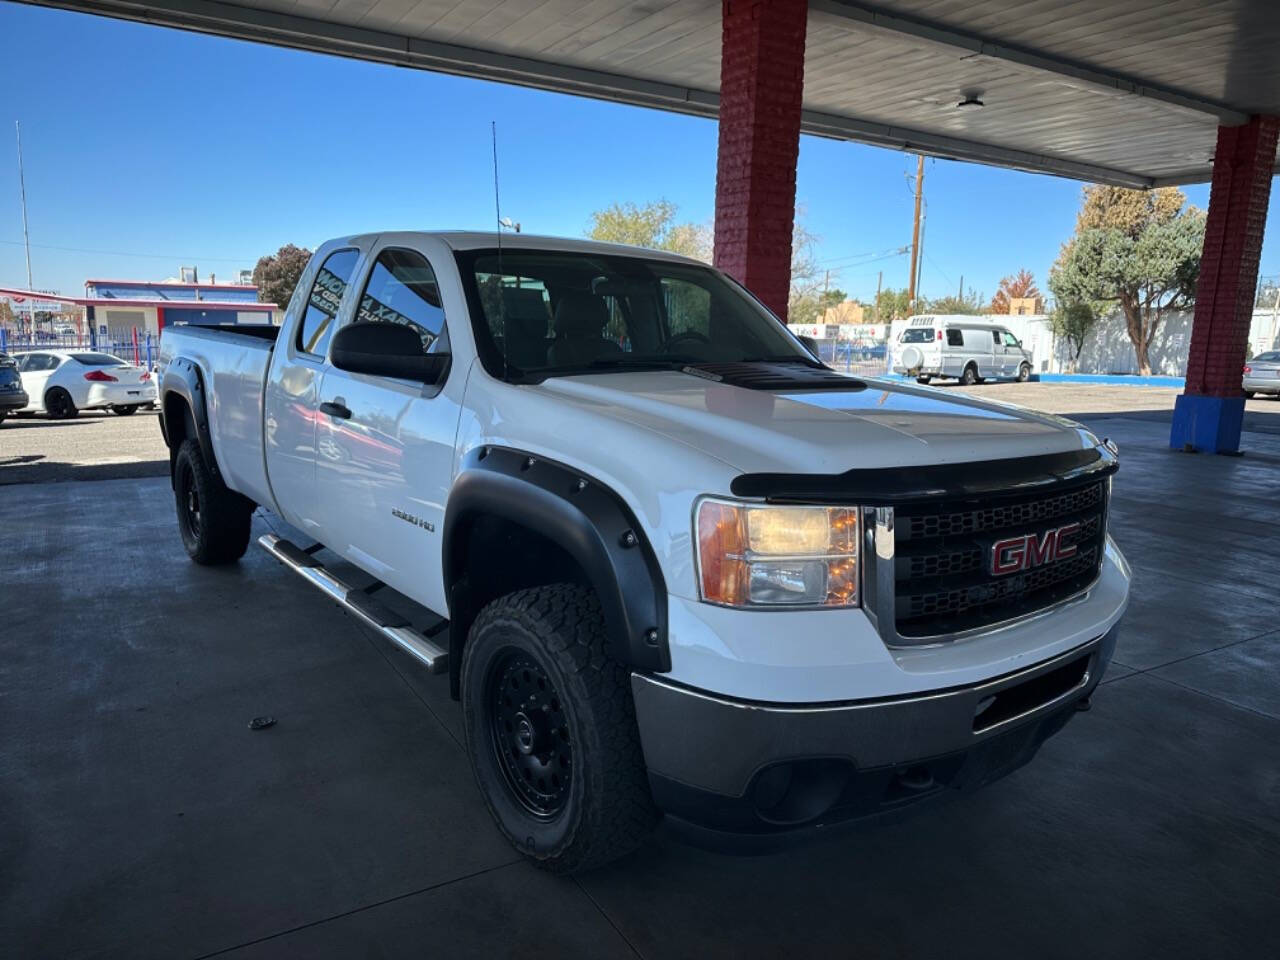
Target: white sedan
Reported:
point(61, 383)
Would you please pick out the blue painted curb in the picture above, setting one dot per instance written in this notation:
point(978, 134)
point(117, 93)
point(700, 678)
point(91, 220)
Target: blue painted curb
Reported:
point(1111, 380)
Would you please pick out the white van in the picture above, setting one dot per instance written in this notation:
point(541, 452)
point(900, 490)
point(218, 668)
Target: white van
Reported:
point(959, 346)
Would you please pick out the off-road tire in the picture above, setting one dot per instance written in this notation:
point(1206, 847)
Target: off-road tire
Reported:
point(126, 411)
point(1250, 394)
point(970, 376)
point(1024, 373)
point(607, 809)
point(218, 532)
point(59, 405)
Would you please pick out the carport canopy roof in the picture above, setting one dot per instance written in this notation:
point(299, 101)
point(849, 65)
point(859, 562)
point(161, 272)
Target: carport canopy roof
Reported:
point(1128, 92)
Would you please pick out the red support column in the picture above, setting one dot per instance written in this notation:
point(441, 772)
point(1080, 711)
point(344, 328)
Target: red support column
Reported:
point(1209, 414)
point(761, 84)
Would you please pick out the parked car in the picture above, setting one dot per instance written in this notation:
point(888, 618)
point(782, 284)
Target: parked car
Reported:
point(706, 577)
point(960, 347)
point(848, 351)
point(1262, 374)
point(12, 396)
point(61, 383)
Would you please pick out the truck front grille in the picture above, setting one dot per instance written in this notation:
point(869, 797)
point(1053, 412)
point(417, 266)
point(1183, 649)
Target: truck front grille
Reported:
point(943, 577)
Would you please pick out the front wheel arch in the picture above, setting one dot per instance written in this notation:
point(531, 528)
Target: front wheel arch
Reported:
point(589, 529)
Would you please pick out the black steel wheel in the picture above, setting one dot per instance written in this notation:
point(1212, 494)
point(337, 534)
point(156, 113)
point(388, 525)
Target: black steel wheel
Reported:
point(529, 733)
point(212, 520)
point(59, 405)
point(551, 729)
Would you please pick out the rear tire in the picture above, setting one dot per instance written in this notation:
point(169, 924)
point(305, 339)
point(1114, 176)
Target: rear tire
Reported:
point(970, 376)
point(212, 520)
point(59, 405)
point(924, 380)
point(1024, 373)
point(1250, 394)
point(551, 730)
point(128, 411)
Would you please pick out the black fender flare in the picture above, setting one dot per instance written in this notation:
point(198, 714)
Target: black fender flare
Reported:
point(582, 516)
point(184, 378)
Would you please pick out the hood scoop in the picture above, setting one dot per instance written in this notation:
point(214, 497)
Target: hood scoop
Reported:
point(781, 377)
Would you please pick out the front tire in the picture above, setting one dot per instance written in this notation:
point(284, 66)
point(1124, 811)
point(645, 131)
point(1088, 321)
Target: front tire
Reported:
point(59, 405)
point(128, 411)
point(212, 519)
point(551, 730)
point(970, 376)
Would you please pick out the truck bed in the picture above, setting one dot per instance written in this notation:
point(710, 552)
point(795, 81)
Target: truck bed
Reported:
point(233, 361)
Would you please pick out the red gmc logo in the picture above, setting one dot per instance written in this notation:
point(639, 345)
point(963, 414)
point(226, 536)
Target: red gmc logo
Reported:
point(1016, 554)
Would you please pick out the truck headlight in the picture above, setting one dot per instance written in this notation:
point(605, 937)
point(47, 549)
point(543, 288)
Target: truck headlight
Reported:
point(760, 556)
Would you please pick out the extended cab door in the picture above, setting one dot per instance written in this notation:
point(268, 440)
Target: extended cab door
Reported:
point(293, 381)
point(385, 450)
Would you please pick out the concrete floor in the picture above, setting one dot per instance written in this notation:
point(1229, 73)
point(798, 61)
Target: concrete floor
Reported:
point(140, 817)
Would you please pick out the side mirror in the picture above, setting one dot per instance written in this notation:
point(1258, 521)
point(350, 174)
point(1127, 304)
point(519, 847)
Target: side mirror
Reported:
point(810, 344)
point(386, 350)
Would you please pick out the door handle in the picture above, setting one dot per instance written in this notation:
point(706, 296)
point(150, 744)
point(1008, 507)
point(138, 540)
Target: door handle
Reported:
point(336, 408)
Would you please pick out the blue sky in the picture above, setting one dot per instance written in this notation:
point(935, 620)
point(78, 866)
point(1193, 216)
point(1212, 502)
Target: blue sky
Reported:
point(156, 148)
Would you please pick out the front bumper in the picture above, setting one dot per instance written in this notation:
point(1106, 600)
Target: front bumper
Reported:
point(741, 767)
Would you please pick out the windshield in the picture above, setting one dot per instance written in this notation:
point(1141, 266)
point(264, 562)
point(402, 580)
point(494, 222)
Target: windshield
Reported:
point(548, 313)
point(917, 335)
point(1270, 357)
point(98, 360)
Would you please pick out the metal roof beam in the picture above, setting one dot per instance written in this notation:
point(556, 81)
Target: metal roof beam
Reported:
point(1078, 72)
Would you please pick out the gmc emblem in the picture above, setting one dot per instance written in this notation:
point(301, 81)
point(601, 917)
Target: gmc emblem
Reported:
point(1015, 554)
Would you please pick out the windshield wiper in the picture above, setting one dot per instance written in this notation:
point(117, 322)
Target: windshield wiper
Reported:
point(663, 361)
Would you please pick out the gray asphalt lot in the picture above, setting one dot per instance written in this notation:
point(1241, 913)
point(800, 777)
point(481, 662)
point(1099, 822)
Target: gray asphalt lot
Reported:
point(92, 446)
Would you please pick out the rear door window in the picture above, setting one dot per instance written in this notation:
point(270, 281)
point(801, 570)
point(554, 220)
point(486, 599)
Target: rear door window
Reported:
point(97, 360)
point(918, 335)
point(325, 300)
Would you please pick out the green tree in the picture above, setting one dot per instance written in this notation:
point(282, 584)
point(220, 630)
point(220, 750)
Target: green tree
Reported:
point(1139, 250)
point(276, 274)
point(972, 303)
point(7, 318)
point(654, 225)
point(1072, 322)
point(811, 307)
point(892, 305)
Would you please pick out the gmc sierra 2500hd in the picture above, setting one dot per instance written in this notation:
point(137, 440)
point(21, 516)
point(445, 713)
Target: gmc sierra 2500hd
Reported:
point(682, 567)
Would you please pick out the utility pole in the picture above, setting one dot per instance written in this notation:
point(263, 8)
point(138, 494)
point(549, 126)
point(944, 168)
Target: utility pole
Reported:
point(960, 295)
point(26, 242)
point(879, 280)
point(915, 236)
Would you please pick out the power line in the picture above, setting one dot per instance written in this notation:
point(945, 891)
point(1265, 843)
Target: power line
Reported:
point(127, 253)
point(878, 254)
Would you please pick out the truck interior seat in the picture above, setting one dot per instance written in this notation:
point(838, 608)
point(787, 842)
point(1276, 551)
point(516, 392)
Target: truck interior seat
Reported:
point(579, 327)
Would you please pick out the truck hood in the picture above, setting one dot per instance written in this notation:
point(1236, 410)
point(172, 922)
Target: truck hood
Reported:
point(875, 423)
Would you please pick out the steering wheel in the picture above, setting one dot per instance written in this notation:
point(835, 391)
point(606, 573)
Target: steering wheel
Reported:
point(688, 335)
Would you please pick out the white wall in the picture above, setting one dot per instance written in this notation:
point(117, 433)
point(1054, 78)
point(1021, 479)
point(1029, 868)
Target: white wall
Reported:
point(1108, 349)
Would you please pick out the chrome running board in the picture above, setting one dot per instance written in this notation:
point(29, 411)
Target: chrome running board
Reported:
point(359, 604)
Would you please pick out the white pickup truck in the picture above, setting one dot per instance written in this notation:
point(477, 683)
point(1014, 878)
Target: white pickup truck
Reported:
point(676, 565)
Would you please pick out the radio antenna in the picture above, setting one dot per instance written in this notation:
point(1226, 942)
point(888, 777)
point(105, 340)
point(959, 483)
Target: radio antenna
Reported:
point(497, 215)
